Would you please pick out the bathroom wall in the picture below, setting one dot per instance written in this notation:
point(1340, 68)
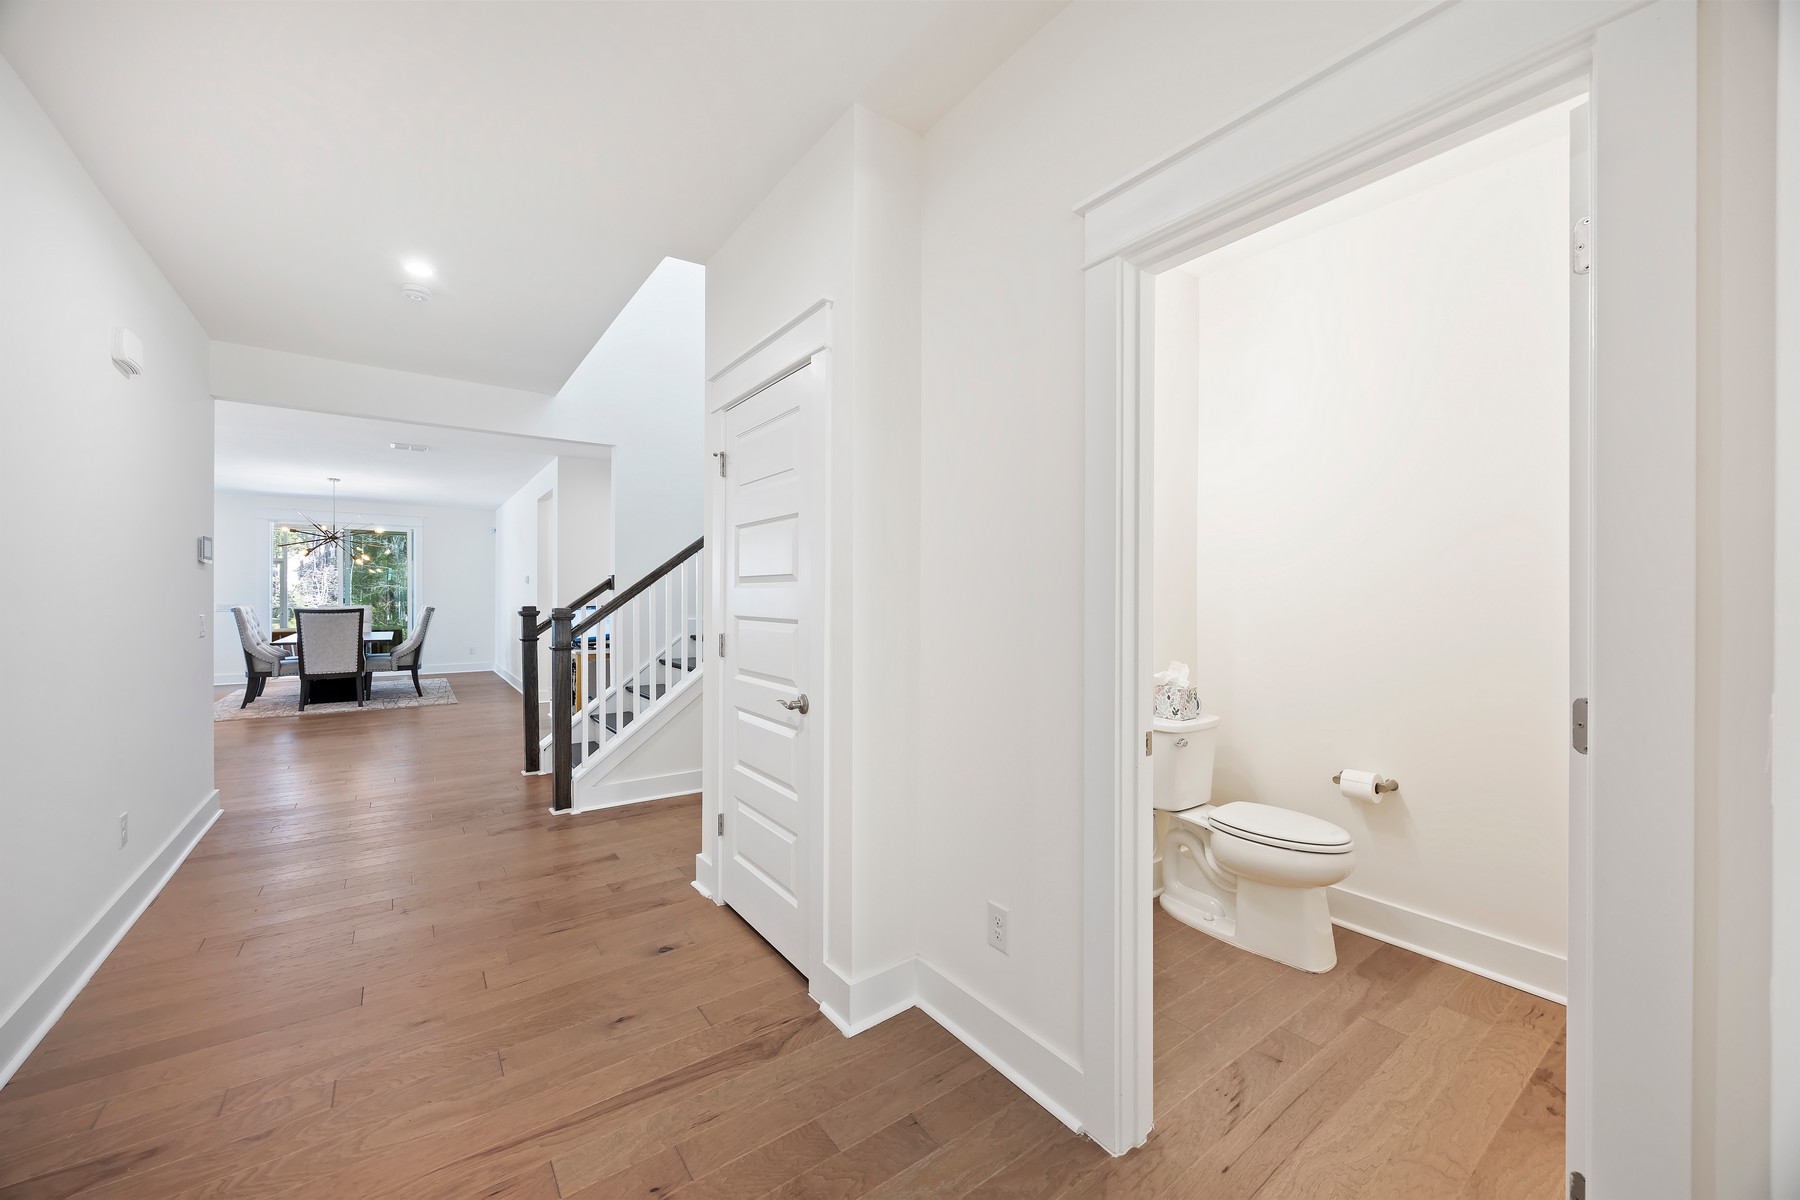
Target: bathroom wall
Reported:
point(1382, 540)
point(1174, 507)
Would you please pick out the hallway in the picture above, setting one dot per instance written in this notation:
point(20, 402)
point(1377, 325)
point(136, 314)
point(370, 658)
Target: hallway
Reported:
point(388, 971)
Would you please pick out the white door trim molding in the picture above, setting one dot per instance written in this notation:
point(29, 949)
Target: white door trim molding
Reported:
point(1445, 74)
point(806, 339)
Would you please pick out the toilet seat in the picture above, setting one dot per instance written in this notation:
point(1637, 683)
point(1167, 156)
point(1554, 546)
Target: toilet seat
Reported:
point(1282, 828)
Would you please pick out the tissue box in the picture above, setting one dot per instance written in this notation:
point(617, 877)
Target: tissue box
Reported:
point(1174, 702)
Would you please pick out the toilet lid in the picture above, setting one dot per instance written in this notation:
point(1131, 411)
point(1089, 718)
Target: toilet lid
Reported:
point(1281, 827)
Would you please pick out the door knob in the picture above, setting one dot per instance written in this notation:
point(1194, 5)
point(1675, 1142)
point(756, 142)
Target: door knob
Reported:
point(799, 704)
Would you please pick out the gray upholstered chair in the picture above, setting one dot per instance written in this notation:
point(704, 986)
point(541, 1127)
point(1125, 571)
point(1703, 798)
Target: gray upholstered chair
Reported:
point(407, 655)
point(263, 660)
point(331, 647)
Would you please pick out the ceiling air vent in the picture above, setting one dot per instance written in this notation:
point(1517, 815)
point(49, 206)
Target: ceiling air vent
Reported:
point(413, 446)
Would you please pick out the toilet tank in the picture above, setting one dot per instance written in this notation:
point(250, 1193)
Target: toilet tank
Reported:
point(1182, 757)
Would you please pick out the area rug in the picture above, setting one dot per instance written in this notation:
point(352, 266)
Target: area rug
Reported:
point(281, 698)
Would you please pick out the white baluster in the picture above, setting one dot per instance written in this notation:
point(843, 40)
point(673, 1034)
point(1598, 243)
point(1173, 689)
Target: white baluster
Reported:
point(638, 638)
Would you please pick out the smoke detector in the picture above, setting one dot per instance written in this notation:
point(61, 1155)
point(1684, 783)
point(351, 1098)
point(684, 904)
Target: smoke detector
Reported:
point(415, 291)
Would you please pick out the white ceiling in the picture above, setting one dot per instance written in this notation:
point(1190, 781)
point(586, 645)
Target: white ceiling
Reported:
point(292, 452)
point(279, 160)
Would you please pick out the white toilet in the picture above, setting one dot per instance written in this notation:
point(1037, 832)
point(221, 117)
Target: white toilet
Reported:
point(1249, 874)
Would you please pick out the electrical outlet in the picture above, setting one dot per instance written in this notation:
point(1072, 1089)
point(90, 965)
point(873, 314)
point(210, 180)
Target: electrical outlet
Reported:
point(124, 829)
point(996, 927)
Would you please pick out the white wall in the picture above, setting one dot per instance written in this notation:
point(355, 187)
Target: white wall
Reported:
point(581, 551)
point(1100, 91)
point(1175, 501)
point(640, 390)
point(843, 226)
point(517, 580)
point(453, 571)
point(108, 482)
point(585, 528)
point(1383, 535)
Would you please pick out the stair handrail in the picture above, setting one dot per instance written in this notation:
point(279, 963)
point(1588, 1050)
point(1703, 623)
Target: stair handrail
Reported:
point(564, 630)
point(530, 629)
point(633, 592)
point(578, 601)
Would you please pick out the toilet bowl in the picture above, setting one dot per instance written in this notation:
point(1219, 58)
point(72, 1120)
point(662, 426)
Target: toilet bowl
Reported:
point(1250, 874)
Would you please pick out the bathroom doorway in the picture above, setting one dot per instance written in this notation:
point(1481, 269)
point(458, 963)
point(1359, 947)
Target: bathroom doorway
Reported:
point(1367, 490)
point(1438, 79)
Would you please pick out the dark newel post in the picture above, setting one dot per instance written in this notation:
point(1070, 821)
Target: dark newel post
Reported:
point(562, 706)
point(528, 683)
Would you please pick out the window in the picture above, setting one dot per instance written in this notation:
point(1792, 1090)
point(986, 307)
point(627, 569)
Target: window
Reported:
point(378, 573)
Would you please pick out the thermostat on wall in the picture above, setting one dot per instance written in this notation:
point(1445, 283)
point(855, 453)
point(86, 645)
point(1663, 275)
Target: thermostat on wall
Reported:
point(127, 353)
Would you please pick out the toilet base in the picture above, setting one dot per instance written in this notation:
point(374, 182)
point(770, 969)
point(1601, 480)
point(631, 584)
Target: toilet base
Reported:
point(1289, 925)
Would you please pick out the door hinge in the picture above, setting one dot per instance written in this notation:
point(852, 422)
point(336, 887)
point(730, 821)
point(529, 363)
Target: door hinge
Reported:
point(1581, 246)
point(1578, 725)
point(1146, 743)
point(721, 645)
point(1577, 1186)
point(721, 455)
point(721, 824)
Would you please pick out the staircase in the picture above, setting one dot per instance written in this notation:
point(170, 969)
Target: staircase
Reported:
point(618, 673)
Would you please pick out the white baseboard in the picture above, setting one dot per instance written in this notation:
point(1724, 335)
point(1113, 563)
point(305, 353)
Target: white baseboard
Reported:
point(1524, 967)
point(27, 1024)
point(512, 681)
point(613, 793)
point(703, 877)
point(861, 1004)
point(1039, 1070)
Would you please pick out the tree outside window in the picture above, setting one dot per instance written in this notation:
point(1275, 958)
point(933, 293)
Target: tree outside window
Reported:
point(373, 567)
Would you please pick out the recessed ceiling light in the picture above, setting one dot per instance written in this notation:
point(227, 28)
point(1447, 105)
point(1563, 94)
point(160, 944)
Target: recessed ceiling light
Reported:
point(415, 291)
point(418, 268)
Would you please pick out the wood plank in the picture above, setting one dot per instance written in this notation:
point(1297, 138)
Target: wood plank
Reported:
point(861, 1167)
point(1525, 1159)
point(1353, 1142)
point(388, 970)
point(1441, 1153)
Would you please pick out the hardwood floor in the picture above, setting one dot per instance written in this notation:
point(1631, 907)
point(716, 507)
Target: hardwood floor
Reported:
point(388, 971)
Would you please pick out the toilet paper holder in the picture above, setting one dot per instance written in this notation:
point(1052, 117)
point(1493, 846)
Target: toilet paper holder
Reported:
point(1383, 787)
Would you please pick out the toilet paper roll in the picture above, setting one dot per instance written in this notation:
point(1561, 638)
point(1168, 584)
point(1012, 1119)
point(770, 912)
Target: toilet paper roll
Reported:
point(1359, 785)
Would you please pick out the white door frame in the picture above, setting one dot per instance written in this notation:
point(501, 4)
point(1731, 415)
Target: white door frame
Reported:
point(1445, 74)
point(803, 343)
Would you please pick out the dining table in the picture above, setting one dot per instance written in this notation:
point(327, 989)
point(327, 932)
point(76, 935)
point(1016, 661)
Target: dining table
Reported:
point(332, 691)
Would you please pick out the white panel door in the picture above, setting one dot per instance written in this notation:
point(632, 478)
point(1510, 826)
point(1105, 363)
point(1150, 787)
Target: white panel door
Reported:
point(764, 751)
